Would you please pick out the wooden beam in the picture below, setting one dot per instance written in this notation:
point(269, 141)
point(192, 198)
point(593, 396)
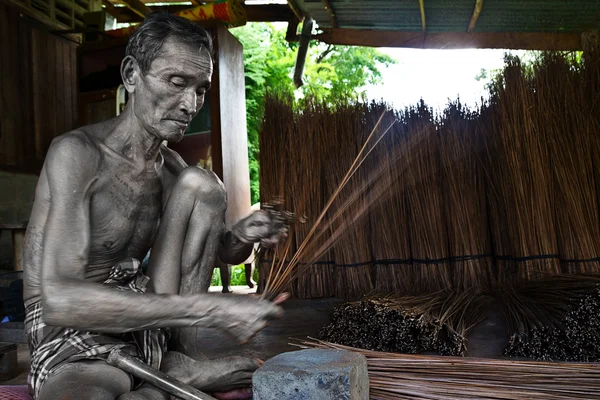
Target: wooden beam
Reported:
point(295, 9)
point(258, 13)
point(475, 16)
point(291, 34)
point(138, 7)
point(114, 11)
point(422, 7)
point(452, 40)
point(269, 13)
point(331, 13)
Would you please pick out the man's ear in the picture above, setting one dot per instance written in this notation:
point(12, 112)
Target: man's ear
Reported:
point(130, 71)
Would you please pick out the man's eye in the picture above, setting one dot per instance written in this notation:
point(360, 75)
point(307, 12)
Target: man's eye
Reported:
point(201, 92)
point(178, 83)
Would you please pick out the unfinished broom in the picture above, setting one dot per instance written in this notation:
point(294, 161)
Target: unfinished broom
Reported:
point(277, 282)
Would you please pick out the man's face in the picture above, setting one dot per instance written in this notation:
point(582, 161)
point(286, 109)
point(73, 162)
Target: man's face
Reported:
point(172, 92)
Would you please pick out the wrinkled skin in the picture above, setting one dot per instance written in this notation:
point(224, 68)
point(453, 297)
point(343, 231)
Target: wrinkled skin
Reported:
point(114, 190)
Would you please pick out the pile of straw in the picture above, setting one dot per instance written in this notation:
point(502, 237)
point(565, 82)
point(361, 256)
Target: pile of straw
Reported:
point(401, 376)
point(437, 323)
point(554, 319)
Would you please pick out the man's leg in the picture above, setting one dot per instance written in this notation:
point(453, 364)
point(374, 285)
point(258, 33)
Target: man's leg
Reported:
point(182, 261)
point(192, 222)
point(97, 379)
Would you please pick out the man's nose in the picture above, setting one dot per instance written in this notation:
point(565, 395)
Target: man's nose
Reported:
point(189, 103)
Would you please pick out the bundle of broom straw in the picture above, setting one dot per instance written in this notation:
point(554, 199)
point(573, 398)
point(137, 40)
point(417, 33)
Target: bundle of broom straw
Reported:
point(352, 252)
point(392, 268)
point(427, 220)
point(561, 110)
point(400, 376)
point(308, 166)
point(274, 138)
point(520, 169)
point(465, 201)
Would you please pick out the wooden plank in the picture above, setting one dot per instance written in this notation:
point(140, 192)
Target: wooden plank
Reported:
point(75, 87)
point(69, 81)
point(39, 108)
point(3, 73)
point(25, 43)
point(59, 104)
point(37, 15)
point(452, 40)
point(138, 7)
point(49, 122)
point(9, 89)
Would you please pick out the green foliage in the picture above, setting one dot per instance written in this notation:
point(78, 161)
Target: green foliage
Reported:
point(331, 72)
point(238, 276)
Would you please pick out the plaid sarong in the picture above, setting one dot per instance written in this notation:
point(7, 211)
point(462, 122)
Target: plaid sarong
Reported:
point(52, 347)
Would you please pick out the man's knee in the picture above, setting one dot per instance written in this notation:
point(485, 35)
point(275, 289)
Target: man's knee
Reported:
point(97, 379)
point(203, 184)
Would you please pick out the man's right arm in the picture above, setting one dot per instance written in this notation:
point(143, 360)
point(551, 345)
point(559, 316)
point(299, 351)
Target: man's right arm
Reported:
point(71, 301)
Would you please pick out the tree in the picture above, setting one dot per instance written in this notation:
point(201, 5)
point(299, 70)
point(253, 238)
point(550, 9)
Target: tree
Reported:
point(330, 73)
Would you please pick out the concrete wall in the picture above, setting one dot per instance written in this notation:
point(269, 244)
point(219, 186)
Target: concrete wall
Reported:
point(16, 199)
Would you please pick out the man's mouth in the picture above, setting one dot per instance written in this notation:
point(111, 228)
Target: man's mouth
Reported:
point(181, 122)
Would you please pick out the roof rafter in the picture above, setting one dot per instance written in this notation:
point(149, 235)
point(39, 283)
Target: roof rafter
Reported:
point(475, 16)
point(422, 7)
point(138, 7)
point(331, 13)
point(453, 40)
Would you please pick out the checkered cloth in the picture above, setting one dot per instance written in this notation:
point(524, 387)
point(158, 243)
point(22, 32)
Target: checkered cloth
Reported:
point(52, 347)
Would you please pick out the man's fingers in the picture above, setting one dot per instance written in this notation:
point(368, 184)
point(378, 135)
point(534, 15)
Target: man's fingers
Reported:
point(281, 298)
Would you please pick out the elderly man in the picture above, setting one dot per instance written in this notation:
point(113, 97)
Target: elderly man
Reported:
point(107, 194)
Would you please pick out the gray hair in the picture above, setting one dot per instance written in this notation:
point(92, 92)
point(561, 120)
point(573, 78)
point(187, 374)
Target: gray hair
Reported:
point(147, 40)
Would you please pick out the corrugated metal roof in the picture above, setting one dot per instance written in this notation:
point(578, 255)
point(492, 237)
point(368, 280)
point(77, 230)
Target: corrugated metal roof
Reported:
point(454, 15)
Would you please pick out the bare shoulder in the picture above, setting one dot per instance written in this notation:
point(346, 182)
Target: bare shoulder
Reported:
point(173, 161)
point(73, 154)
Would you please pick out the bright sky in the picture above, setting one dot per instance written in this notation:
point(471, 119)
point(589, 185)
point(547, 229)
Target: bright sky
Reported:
point(435, 76)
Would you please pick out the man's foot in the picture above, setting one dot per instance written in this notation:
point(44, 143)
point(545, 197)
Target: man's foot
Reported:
point(220, 375)
point(226, 289)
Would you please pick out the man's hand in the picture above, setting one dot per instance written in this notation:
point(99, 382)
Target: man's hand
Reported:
point(244, 316)
point(266, 227)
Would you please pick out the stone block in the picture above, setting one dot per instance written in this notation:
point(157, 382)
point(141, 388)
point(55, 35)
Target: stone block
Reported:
point(313, 374)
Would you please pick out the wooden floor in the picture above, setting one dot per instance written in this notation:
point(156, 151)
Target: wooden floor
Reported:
point(302, 318)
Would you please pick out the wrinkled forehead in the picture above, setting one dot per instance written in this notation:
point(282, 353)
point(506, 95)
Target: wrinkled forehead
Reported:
point(175, 51)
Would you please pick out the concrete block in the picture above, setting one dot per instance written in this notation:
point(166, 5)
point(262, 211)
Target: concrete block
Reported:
point(313, 374)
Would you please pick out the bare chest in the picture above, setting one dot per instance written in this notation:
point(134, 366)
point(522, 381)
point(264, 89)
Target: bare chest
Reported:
point(124, 214)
